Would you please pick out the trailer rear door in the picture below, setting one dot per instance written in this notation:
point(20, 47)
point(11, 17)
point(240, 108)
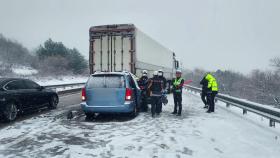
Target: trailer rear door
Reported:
point(112, 53)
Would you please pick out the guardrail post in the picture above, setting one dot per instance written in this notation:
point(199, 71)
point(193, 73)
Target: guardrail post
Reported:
point(244, 111)
point(228, 105)
point(271, 123)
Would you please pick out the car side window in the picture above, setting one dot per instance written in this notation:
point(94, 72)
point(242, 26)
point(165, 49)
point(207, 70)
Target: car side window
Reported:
point(135, 81)
point(31, 85)
point(15, 85)
point(131, 82)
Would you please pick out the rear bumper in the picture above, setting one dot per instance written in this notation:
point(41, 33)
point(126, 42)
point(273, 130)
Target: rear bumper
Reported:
point(125, 108)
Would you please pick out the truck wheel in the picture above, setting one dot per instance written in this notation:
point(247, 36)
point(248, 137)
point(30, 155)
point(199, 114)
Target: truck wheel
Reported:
point(10, 113)
point(53, 102)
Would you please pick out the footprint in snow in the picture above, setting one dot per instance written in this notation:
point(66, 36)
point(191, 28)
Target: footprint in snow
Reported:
point(218, 150)
point(112, 148)
point(196, 133)
point(129, 148)
point(155, 150)
point(187, 151)
point(164, 146)
point(140, 148)
point(173, 139)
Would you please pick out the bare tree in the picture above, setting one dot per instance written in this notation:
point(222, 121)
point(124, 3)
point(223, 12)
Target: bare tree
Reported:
point(275, 62)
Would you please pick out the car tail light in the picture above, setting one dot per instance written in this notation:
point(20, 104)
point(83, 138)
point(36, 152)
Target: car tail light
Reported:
point(128, 94)
point(83, 94)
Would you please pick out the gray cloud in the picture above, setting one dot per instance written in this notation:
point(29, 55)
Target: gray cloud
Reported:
point(240, 35)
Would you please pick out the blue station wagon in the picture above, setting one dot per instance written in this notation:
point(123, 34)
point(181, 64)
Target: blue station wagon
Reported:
point(111, 92)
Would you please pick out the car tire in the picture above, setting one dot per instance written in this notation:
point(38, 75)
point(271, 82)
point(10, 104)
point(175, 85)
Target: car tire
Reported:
point(135, 112)
point(53, 102)
point(10, 113)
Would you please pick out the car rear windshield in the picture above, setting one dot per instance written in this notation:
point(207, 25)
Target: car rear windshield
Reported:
point(106, 81)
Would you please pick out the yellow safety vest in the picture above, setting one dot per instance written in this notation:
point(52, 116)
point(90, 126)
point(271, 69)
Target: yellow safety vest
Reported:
point(212, 83)
point(177, 82)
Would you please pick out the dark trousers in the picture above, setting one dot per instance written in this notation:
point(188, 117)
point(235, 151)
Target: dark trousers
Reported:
point(211, 99)
point(177, 102)
point(160, 106)
point(144, 105)
point(155, 104)
point(204, 97)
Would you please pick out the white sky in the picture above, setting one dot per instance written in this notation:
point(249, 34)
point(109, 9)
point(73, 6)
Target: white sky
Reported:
point(239, 35)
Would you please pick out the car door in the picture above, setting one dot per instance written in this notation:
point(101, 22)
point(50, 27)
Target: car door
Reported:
point(136, 89)
point(37, 95)
point(18, 93)
point(106, 90)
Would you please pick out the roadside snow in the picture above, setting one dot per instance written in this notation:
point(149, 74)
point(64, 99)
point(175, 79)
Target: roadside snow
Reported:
point(252, 117)
point(23, 70)
point(60, 80)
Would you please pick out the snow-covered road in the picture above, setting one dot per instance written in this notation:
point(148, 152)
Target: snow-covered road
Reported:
point(224, 134)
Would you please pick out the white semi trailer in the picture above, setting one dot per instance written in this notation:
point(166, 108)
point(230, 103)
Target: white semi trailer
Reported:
point(124, 47)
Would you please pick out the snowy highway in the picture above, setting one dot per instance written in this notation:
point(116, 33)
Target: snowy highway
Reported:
point(224, 134)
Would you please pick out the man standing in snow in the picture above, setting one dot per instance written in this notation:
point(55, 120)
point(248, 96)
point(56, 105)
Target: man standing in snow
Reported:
point(143, 86)
point(161, 77)
point(155, 87)
point(204, 92)
point(177, 85)
point(213, 86)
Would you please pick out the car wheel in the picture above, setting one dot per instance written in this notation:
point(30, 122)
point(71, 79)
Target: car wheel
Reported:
point(10, 113)
point(135, 111)
point(53, 102)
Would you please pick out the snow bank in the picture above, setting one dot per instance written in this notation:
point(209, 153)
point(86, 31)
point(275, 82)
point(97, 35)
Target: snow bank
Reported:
point(60, 80)
point(23, 70)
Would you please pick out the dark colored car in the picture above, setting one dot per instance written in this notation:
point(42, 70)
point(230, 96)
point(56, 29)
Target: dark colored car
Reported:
point(111, 92)
point(21, 95)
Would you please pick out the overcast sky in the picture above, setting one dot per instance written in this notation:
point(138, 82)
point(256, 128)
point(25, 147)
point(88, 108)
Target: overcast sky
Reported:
point(239, 35)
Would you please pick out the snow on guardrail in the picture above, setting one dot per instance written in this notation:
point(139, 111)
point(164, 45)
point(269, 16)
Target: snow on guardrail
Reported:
point(273, 114)
point(66, 88)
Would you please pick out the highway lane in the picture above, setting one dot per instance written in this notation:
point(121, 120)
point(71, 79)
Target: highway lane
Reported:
point(66, 102)
point(194, 134)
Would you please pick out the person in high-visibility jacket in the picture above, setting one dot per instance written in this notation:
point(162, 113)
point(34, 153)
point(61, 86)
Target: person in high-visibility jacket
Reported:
point(177, 85)
point(213, 87)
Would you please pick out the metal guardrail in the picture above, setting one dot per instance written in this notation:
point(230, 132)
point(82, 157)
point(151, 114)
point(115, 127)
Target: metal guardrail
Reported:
point(64, 85)
point(71, 88)
point(271, 113)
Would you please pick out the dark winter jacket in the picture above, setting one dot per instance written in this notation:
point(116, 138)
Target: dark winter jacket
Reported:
point(155, 86)
point(204, 84)
point(164, 81)
point(143, 82)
